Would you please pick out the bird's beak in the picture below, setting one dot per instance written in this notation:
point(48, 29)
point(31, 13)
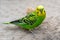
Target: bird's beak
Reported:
point(41, 10)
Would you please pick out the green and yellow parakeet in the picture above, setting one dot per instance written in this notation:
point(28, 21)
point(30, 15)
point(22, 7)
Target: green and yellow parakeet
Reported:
point(31, 20)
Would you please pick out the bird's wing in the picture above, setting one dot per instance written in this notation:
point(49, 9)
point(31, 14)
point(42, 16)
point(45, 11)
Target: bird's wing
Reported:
point(29, 19)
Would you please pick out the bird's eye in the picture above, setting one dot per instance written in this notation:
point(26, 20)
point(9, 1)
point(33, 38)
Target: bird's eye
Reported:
point(37, 9)
point(37, 12)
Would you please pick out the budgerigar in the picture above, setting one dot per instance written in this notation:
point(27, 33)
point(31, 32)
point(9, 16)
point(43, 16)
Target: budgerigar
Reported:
point(31, 20)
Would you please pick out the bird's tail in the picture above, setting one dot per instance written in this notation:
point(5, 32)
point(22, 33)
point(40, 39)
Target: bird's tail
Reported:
point(6, 23)
point(12, 22)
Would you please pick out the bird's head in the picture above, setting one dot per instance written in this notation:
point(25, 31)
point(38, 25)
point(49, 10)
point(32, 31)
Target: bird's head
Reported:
point(40, 10)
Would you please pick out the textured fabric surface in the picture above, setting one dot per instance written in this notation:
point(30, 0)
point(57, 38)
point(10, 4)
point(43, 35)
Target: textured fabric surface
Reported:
point(14, 9)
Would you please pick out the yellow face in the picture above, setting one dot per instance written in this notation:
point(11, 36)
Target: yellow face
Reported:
point(40, 10)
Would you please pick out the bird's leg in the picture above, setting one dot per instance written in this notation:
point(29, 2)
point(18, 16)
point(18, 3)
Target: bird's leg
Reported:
point(33, 34)
point(31, 31)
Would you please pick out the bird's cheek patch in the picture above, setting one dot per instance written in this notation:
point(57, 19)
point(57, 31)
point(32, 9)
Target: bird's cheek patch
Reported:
point(38, 14)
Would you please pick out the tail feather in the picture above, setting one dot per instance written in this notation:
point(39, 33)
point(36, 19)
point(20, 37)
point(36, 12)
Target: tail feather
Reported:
point(13, 22)
point(6, 23)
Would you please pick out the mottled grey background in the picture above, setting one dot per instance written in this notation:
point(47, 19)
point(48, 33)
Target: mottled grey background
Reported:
point(14, 9)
